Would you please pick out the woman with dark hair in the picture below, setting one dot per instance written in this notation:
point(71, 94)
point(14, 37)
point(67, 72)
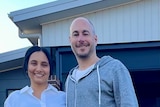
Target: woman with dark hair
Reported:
point(39, 66)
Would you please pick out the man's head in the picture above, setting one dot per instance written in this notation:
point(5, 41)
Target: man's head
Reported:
point(83, 38)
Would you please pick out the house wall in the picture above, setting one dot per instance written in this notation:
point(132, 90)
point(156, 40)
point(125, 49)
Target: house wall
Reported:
point(142, 60)
point(130, 23)
point(11, 80)
point(133, 22)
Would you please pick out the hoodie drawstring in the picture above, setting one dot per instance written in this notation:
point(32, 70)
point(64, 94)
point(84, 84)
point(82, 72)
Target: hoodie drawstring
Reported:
point(66, 89)
point(99, 87)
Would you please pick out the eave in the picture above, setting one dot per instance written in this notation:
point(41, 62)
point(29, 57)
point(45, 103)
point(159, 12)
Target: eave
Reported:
point(29, 20)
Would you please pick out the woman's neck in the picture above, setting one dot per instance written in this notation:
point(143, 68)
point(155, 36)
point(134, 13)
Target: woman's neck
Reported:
point(38, 89)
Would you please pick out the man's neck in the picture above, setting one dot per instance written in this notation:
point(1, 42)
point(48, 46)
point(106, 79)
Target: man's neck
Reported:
point(85, 63)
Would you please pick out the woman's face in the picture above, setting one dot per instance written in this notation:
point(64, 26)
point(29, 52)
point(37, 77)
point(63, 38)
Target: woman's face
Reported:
point(38, 68)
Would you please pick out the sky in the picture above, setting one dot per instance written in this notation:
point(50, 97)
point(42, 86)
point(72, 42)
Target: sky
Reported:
point(9, 39)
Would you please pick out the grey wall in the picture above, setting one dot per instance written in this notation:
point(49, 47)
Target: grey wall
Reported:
point(11, 80)
point(142, 60)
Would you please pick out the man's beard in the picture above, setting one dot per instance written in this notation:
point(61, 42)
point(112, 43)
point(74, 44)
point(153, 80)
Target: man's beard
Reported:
point(84, 56)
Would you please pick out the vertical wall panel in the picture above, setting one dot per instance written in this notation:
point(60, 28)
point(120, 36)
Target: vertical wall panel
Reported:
point(106, 29)
point(126, 23)
point(147, 19)
point(140, 21)
point(113, 27)
point(55, 34)
point(155, 28)
point(133, 22)
point(120, 23)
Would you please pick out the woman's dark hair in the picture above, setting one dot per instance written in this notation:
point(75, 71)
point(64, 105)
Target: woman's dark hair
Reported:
point(36, 49)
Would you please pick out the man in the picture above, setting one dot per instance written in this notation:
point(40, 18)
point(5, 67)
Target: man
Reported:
point(96, 82)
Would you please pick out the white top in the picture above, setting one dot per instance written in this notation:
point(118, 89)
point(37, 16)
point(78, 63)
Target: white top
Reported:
point(78, 74)
point(50, 97)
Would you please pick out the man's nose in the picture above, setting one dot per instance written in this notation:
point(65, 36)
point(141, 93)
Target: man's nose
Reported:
point(81, 37)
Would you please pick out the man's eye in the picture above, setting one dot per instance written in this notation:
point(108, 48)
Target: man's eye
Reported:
point(75, 34)
point(85, 34)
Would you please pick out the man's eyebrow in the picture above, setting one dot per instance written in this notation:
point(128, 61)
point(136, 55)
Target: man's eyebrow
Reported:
point(84, 31)
point(74, 32)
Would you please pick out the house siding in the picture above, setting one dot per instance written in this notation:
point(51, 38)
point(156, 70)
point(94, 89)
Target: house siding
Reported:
point(12, 80)
point(129, 32)
point(134, 22)
point(142, 60)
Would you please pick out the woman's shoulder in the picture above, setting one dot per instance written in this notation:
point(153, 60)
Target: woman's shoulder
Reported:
point(12, 97)
point(17, 92)
point(14, 93)
point(61, 92)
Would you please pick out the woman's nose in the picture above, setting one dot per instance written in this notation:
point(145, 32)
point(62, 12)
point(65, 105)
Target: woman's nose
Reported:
point(39, 68)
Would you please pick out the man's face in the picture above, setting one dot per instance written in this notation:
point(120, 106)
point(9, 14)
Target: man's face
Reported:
point(83, 40)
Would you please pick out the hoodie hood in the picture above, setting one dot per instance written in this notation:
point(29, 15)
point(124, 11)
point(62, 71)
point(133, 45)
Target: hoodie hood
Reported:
point(108, 84)
point(103, 61)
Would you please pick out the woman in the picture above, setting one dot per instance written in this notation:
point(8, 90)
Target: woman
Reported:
point(38, 64)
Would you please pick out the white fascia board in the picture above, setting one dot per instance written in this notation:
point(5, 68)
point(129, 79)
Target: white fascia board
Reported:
point(12, 55)
point(48, 8)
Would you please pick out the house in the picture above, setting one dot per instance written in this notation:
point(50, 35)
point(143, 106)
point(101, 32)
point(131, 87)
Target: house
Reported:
point(127, 29)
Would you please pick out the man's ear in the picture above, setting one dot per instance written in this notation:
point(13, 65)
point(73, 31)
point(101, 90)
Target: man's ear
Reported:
point(96, 39)
point(69, 39)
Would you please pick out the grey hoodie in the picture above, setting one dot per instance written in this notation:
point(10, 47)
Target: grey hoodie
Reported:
point(108, 84)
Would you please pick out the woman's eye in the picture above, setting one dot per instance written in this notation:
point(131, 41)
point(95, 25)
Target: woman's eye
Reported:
point(44, 64)
point(33, 63)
